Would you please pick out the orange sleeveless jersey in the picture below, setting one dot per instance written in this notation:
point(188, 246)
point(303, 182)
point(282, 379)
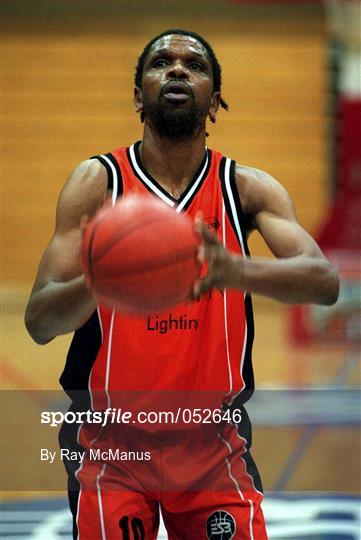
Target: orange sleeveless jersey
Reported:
point(202, 346)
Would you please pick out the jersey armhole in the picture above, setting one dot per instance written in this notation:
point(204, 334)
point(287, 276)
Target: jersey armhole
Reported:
point(81, 356)
point(232, 203)
point(115, 181)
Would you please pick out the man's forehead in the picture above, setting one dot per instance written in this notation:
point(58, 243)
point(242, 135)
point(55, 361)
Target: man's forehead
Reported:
point(177, 40)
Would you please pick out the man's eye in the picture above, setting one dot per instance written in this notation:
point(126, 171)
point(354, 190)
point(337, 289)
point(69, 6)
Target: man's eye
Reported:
point(196, 66)
point(159, 63)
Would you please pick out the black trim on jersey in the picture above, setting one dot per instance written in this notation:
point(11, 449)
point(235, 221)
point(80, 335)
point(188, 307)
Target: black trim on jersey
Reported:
point(80, 359)
point(208, 154)
point(244, 430)
point(247, 371)
point(205, 174)
point(247, 366)
point(68, 439)
point(237, 202)
point(81, 356)
point(104, 162)
point(222, 171)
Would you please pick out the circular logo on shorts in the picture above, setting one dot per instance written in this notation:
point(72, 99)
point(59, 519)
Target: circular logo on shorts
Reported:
point(221, 526)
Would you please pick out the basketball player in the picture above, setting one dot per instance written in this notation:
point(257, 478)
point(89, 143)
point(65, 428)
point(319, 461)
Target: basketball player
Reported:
point(202, 476)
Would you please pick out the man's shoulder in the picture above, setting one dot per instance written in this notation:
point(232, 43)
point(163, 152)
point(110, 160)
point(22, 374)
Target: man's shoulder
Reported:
point(247, 172)
point(255, 186)
point(244, 171)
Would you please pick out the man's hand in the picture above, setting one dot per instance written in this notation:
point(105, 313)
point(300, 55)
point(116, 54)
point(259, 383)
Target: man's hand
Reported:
point(299, 274)
point(224, 269)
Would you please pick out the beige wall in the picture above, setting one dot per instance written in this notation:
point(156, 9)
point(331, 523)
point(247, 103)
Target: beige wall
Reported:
point(67, 94)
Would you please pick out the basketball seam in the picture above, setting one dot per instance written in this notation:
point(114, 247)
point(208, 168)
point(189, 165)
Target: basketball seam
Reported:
point(121, 235)
point(161, 264)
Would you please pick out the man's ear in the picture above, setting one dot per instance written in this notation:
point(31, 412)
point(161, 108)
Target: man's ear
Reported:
point(138, 100)
point(215, 101)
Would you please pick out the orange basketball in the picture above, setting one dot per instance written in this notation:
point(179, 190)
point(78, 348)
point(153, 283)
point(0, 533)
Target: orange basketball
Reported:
point(140, 255)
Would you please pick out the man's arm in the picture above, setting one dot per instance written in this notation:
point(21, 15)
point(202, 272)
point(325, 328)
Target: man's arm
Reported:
point(300, 274)
point(59, 302)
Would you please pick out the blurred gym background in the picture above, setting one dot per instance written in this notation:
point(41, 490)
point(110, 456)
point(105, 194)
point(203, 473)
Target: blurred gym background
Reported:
point(291, 75)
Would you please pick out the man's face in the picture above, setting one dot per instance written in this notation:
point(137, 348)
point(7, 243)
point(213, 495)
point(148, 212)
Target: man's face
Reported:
point(177, 87)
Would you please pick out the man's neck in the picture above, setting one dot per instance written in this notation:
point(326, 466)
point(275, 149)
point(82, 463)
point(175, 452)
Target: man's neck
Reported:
point(172, 163)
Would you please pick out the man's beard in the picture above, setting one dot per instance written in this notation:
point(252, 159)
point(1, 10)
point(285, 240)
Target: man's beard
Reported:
point(176, 123)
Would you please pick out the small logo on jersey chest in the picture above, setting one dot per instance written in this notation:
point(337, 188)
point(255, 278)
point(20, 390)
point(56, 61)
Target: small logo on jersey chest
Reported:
point(221, 526)
point(212, 223)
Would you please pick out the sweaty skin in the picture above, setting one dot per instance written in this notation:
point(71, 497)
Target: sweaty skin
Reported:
point(300, 273)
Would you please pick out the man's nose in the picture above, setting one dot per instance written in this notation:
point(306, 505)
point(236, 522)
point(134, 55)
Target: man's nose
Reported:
point(178, 71)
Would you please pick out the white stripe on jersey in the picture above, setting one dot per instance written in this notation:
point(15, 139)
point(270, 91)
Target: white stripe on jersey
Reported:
point(227, 179)
point(100, 323)
point(115, 178)
point(194, 187)
point(146, 180)
point(160, 193)
point(234, 480)
point(109, 356)
point(100, 502)
point(225, 305)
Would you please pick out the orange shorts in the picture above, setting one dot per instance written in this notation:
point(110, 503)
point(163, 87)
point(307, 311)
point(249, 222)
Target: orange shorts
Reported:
point(203, 480)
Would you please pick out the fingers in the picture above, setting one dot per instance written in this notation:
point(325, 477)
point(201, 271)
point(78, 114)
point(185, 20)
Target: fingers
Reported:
point(205, 255)
point(203, 231)
point(201, 287)
point(201, 254)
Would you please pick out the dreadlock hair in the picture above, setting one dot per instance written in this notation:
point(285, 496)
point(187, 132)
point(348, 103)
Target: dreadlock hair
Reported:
point(217, 70)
